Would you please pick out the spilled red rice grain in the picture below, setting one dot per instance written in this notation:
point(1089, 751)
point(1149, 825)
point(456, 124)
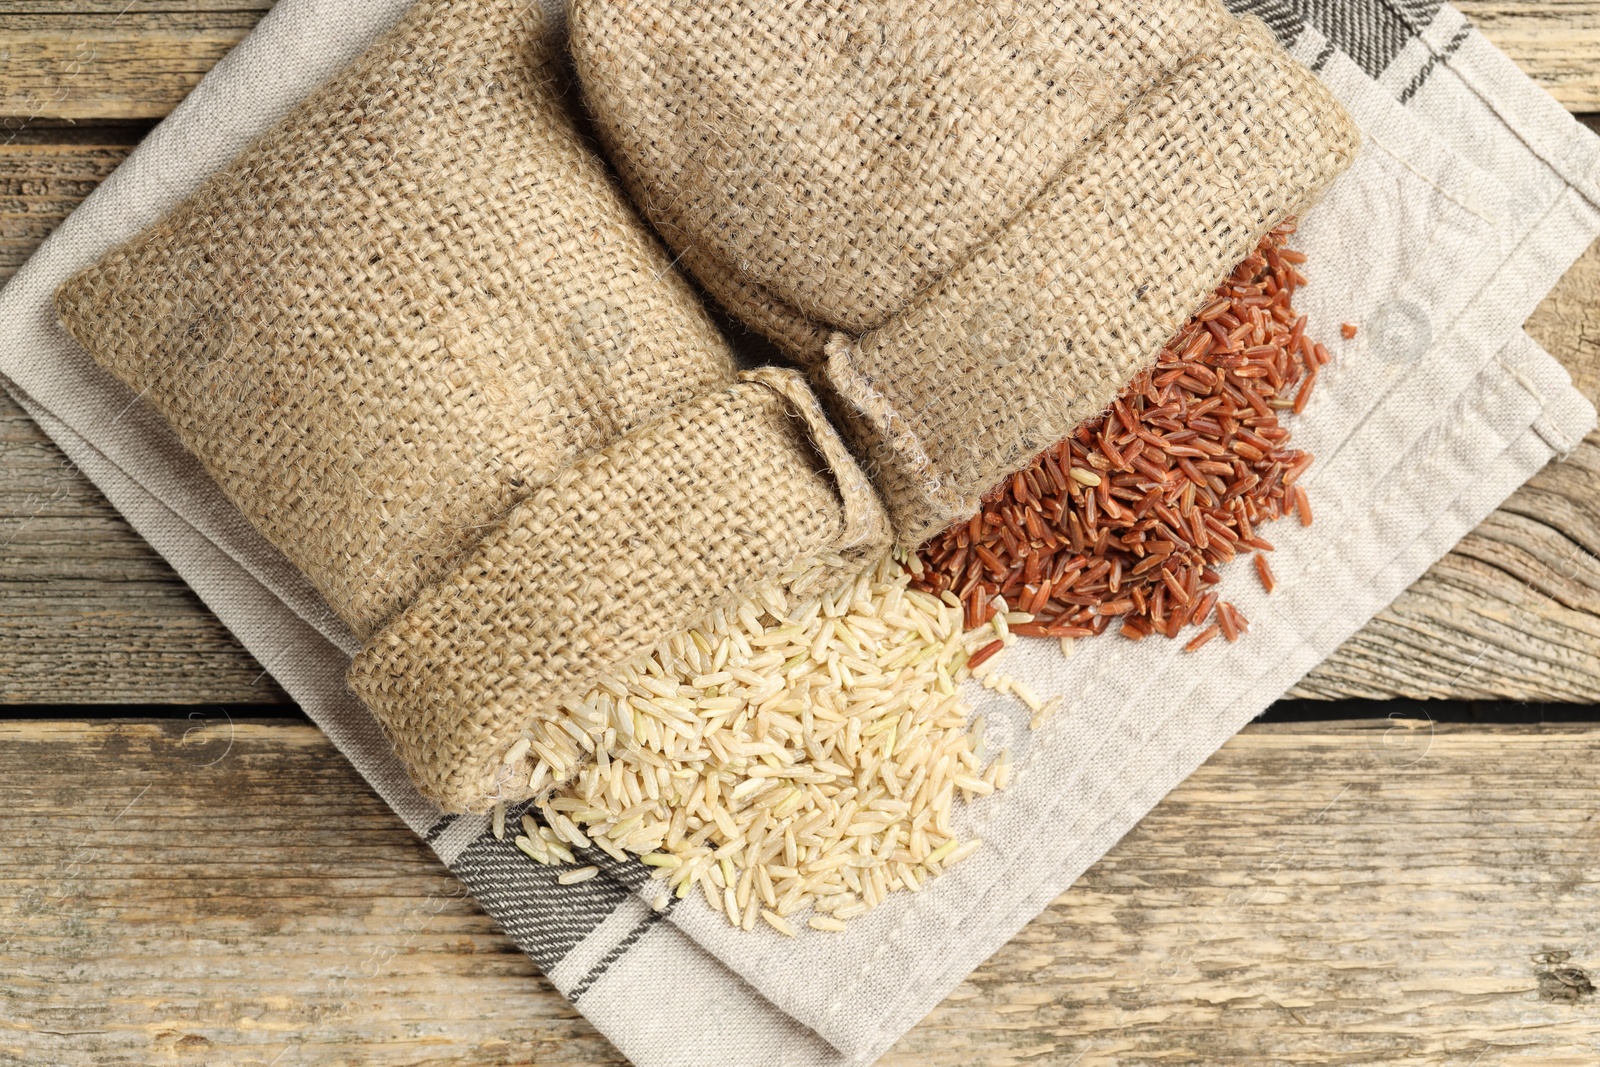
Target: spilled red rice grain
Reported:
point(1129, 517)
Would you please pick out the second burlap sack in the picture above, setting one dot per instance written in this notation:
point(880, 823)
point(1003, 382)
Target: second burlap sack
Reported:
point(975, 220)
point(427, 348)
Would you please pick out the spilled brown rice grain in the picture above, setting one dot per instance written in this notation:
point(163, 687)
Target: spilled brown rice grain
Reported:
point(805, 754)
point(789, 757)
point(1129, 519)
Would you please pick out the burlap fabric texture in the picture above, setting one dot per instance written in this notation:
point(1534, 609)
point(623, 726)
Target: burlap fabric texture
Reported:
point(976, 221)
point(425, 345)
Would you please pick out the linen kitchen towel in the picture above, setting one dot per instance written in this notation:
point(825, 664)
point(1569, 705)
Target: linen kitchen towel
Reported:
point(1472, 194)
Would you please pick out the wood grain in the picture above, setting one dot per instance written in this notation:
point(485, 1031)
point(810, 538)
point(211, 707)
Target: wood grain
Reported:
point(95, 60)
point(88, 614)
point(40, 184)
point(1554, 41)
point(1568, 321)
point(106, 59)
point(1345, 893)
point(1514, 611)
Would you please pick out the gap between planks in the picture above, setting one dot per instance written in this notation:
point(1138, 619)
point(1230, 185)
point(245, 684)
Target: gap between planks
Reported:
point(88, 60)
point(88, 614)
point(1315, 894)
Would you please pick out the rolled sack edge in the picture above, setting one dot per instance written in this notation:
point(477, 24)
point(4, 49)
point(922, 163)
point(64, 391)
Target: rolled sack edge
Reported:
point(1051, 320)
point(635, 544)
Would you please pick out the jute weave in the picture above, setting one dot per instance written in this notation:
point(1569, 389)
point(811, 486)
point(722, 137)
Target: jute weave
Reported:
point(672, 521)
point(414, 301)
point(981, 219)
point(431, 352)
point(425, 345)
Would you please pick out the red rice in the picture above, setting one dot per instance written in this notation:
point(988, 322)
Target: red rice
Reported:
point(1130, 516)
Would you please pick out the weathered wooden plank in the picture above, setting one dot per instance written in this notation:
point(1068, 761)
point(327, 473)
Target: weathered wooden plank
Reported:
point(1514, 611)
point(88, 614)
point(61, 59)
point(1554, 41)
point(1567, 323)
point(40, 184)
point(103, 59)
point(1315, 894)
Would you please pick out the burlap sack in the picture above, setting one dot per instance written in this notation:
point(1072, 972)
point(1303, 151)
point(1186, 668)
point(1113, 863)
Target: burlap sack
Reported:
point(978, 219)
point(685, 515)
point(414, 301)
point(417, 317)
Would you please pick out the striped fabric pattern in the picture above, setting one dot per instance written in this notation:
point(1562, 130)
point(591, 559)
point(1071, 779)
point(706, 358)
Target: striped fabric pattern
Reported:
point(548, 920)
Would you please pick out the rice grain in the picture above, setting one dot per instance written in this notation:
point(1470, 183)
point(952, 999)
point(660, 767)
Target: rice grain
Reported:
point(1128, 521)
point(794, 754)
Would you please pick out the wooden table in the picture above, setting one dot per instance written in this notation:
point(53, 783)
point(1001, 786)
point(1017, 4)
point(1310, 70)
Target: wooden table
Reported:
point(1319, 893)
